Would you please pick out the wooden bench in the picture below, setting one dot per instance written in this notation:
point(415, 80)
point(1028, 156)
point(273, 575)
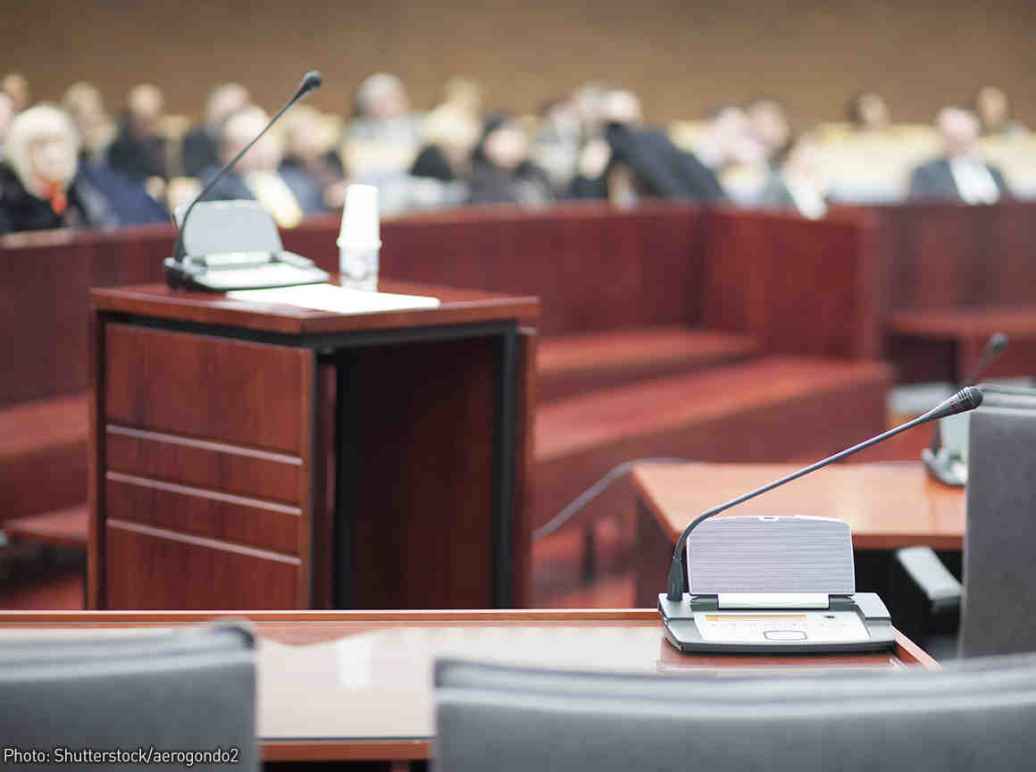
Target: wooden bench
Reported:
point(954, 274)
point(569, 365)
point(767, 409)
point(63, 528)
point(947, 343)
point(43, 457)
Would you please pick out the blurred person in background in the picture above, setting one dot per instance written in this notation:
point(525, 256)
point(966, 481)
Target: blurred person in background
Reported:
point(769, 125)
point(868, 112)
point(558, 141)
point(798, 183)
point(383, 138)
point(128, 199)
point(39, 185)
point(589, 101)
point(730, 150)
point(462, 96)
point(644, 162)
point(450, 137)
point(201, 143)
point(309, 150)
point(85, 106)
point(501, 170)
point(961, 174)
point(288, 195)
point(139, 149)
point(994, 112)
point(728, 140)
point(6, 116)
point(15, 85)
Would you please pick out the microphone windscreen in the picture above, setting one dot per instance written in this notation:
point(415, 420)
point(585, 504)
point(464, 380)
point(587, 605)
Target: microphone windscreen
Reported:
point(998, 342)
point(310, 81)
point(968, 398)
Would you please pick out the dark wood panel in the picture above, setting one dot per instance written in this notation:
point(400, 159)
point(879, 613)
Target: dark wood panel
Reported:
point(209, 388)
point(44, 294)
point(521, 532)
point(797, 286)
point(43, 456)
point(198, 512)
point(149, 568)
point(97, 466)
point(416, 439)
point(942, 255)
point(654, 552)
point(325, 467)
point(219, 466)
point(592, 267)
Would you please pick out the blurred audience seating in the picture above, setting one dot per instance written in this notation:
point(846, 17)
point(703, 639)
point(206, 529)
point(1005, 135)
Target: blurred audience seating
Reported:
point(570, 150)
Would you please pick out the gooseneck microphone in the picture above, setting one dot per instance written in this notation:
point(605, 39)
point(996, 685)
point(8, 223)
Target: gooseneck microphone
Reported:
point(310, 82)
point(994, 347)
point(964, 400)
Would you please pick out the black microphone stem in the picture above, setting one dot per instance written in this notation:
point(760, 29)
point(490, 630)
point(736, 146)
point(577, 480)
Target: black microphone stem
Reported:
point(301, 92)
point(676, 575)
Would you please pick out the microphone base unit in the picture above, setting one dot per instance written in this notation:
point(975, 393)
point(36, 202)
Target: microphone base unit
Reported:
point(210, 274)
point(946, 467)
point(699, 624)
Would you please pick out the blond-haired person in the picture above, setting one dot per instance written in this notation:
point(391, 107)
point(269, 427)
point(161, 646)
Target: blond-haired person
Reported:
point(39, 186)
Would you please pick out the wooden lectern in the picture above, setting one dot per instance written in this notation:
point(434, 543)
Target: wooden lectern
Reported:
point(262, 456)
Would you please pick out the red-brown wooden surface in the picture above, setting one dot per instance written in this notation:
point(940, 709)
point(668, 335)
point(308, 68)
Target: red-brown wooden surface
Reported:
point(797, 286)
point(221, 457)
point(387, 690)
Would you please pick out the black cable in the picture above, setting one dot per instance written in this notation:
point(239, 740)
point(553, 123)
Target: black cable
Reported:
point(580, 502)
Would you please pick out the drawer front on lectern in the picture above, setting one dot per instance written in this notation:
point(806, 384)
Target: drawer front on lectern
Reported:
point(205, 477)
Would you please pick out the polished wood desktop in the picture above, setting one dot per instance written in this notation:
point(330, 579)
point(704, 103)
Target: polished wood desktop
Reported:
point(248, 455)
point(887, 505)
point(336, 686)
point(950, 341)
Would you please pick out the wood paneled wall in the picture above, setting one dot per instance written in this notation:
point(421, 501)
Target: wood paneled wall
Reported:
point(681, 55)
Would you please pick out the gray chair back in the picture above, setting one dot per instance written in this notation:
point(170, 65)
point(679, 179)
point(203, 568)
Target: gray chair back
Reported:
point(975, 715)
point(170, 690)
point(998, 611)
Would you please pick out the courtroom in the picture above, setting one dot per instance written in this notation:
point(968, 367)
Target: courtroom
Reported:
point(476, 386)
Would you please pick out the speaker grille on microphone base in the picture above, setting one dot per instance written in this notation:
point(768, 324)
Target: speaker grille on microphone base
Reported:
point(771, 554)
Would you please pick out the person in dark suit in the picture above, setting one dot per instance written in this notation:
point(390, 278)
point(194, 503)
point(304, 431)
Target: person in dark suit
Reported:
point(501, 172)
point(139, 150)
point(961, 174)
point(642, 162)
point(797, 184)
point(659, 169)
point(201, 144)
point(40, 184)
point(288, 194)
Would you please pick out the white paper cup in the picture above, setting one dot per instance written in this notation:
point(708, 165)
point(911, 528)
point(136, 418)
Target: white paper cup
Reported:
point(361, 227)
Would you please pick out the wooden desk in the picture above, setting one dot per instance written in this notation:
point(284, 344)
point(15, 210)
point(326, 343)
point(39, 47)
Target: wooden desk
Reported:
point(266, 456)
point(357, 685)
point(948, 342)
point(887, 506)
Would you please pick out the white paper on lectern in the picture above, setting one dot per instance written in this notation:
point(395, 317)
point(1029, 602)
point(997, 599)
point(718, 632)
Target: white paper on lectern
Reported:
point(339, 300)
